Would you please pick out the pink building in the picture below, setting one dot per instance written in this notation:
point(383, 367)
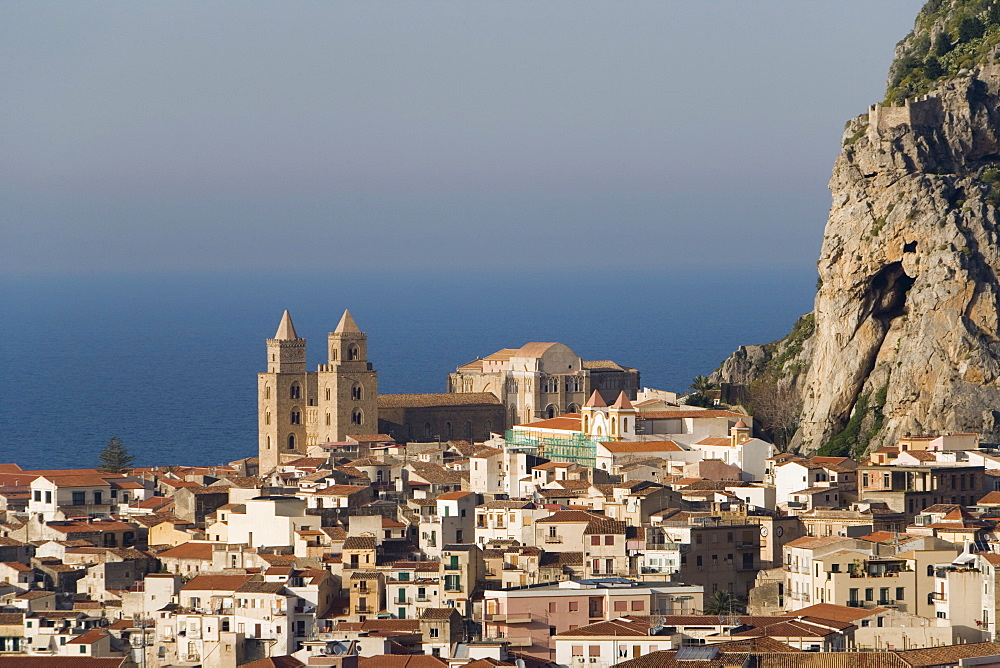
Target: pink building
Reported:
point(528, 617)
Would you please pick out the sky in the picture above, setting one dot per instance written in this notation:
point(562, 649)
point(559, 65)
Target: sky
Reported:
point(223, 137)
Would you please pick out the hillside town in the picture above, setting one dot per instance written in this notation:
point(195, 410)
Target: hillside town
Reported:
point(475, 527)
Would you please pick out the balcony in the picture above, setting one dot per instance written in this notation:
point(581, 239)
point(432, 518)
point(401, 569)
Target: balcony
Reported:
point(855, 604)
point(453, 567)
point(519, 641)
point(553, 539)
point(363, 609)
point(509, 618)
point(939, 596)
point(745, 545)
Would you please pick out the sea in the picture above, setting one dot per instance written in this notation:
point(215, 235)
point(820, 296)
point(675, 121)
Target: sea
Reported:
point(169, 363)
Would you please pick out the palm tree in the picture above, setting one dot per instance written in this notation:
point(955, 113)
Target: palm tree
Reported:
point(724, 603)
point(702, 384)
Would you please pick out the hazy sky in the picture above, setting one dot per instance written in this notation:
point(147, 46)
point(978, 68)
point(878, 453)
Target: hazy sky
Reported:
point(257, 136)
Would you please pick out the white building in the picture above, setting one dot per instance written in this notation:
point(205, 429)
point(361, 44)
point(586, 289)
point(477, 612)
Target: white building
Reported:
point(270, 521)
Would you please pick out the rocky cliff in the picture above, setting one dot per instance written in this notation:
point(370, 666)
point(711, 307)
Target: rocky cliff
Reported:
point(905, 333)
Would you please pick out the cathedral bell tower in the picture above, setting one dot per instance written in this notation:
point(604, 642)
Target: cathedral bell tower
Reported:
point(282, 397)
point(347, 387)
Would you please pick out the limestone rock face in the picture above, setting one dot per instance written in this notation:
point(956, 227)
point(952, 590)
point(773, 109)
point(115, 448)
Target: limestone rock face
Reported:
point(907, 312)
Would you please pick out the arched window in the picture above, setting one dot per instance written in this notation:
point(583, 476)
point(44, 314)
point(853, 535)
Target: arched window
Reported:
point(327, 419)
point(267, 417)
point(468, 431)
point(489, 426)
point(614, 425)
point(328, 394)
point(267, 391)
point(294, 392)
point(268, 442)
point(291, 441)
point(353, 353)
point(513, 416)
point(356, 392)
point(333, 354)
point(586, 423)
point(447, 431)
point(357, 417)
point(624, 424)
point(427, 430)
point(550, 411)
point(572, 408)
point(379, 475)
point(296, 416)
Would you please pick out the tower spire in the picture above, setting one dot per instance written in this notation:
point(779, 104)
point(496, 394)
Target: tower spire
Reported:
point(346, 324)
point(286, 330)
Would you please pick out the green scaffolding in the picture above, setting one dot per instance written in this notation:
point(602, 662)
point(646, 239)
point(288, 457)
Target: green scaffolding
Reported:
point(576, 449)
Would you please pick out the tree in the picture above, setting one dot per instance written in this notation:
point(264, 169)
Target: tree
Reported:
point(970, 28)
point(775, 405)
point(724, 603)
point(942, 44)
point(702, 384)
point(700, 400)
point(932, 68)
point(115, 458)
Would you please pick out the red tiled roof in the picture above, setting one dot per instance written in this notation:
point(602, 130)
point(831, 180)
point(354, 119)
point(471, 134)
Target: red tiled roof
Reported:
point(707, 413)
point(453, 496)
point(642, 446)
point(566, 422)
point(88, 637)
point(190, 550)
point(217, 582)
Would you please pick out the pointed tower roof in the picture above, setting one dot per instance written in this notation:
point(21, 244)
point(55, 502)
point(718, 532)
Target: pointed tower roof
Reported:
point(347, 324)
point(286, 330)
point(622, 402)
point(595, 401)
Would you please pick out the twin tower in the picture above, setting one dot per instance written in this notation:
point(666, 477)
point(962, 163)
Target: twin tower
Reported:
point(298, 408)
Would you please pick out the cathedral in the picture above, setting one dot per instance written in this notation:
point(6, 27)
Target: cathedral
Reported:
point(299, 409)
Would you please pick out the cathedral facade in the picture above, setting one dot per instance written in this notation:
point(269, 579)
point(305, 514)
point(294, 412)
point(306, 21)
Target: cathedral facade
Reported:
point(299, 408)
point(543, 380)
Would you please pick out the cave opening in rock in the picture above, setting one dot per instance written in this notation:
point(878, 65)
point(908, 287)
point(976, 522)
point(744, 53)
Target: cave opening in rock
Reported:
point(910, 247)
point(888, 291)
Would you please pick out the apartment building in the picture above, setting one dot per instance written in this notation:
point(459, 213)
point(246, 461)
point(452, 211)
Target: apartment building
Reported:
point(911, 489)
point(529, 617)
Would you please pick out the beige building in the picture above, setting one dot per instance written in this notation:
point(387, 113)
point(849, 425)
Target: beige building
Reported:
point(543, 380)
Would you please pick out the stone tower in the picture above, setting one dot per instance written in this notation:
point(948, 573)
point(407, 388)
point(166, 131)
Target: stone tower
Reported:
point(282, 397)
point(347, 387)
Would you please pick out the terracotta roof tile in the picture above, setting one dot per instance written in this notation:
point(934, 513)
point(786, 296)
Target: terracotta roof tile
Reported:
point(213, 582)
point(440, 399)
